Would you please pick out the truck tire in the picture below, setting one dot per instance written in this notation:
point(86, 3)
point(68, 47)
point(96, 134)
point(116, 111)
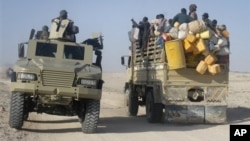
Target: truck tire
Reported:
point(154, 111)
point(131, 103)
point(91, 116)
point(16, 116)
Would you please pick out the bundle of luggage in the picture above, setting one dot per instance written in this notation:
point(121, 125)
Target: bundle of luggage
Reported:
point(202, 45)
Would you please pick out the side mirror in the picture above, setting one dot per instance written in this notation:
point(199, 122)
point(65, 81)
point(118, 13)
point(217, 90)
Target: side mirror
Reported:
point(122, 60)
point(126, 61)
point(21, 50)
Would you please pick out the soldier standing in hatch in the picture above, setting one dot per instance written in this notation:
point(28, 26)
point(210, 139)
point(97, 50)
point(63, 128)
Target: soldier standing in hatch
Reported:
point(44, 34)
point(65, 24)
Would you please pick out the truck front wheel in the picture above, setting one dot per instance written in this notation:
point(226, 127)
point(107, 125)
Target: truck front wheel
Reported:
point(131, 102)
point(154, 111)
point(90, 117)
point(16, 116)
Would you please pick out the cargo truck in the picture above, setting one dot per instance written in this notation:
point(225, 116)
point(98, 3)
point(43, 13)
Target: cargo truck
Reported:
point(169, 86)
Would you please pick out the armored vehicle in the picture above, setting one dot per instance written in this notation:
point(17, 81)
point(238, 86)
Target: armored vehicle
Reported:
point(179, 95)
point(59, 77)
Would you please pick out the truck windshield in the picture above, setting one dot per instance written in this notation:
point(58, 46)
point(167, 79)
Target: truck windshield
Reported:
point(46, 50)
point(73, 52)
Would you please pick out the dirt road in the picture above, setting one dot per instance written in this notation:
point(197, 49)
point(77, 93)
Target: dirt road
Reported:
point(114, 125)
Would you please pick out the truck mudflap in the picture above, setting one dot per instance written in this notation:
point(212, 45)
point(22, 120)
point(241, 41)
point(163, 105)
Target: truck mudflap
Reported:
point(196, 114)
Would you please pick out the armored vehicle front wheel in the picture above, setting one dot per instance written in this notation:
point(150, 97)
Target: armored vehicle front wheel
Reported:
point(16, 116)
point(131, 102)
point(154, 111)
point(90, 117)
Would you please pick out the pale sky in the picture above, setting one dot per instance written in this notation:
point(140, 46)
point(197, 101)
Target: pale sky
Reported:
point(112, 18)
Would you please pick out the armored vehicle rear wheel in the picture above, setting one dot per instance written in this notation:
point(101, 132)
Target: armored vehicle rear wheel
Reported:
point(90, 117)
point(16, 116)
point(154, 111)
point(131, 102)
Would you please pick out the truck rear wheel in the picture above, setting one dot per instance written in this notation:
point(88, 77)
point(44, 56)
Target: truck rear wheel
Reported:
point(131, 102)
point(154, 111)
point(90, 117)
point(16, 116)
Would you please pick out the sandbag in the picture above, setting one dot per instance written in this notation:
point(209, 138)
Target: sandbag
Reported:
point(184, 27)
point(176, 24)
point(182, 34)
point(197, 26)
point(173, 32)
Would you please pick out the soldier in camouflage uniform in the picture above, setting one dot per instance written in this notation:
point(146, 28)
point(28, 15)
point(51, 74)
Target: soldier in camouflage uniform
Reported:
point(63, 28)
point(44, 34)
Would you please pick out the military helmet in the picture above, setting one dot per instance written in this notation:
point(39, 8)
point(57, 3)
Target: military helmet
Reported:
point(63, 13)
point(45, 28)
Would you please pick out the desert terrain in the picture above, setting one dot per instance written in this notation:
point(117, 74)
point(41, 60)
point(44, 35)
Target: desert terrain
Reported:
point(114, 125)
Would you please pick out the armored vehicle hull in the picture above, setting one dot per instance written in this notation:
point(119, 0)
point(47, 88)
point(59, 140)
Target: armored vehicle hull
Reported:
point(58, 78)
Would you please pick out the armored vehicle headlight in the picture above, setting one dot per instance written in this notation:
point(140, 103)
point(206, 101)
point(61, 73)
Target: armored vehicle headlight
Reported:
point(88, 82)
point(26, 76)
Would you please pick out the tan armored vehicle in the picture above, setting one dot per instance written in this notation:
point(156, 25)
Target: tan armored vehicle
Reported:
point(175, 92)
point(58, 76)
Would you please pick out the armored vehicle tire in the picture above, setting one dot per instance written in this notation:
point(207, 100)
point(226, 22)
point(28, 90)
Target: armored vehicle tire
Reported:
point(16, 116)
point(154, 111)
point(131, 103)
point(90, 116)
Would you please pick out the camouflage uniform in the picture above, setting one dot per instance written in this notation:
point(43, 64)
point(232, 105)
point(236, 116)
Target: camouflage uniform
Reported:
point(66, 25)
point(44, 34)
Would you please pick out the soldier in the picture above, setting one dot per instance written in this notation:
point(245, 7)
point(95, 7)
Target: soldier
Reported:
point(44, 34)
point(62, 16)
point(63, 28)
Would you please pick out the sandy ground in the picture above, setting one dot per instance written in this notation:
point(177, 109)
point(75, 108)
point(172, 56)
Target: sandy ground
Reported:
point(114, 125)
